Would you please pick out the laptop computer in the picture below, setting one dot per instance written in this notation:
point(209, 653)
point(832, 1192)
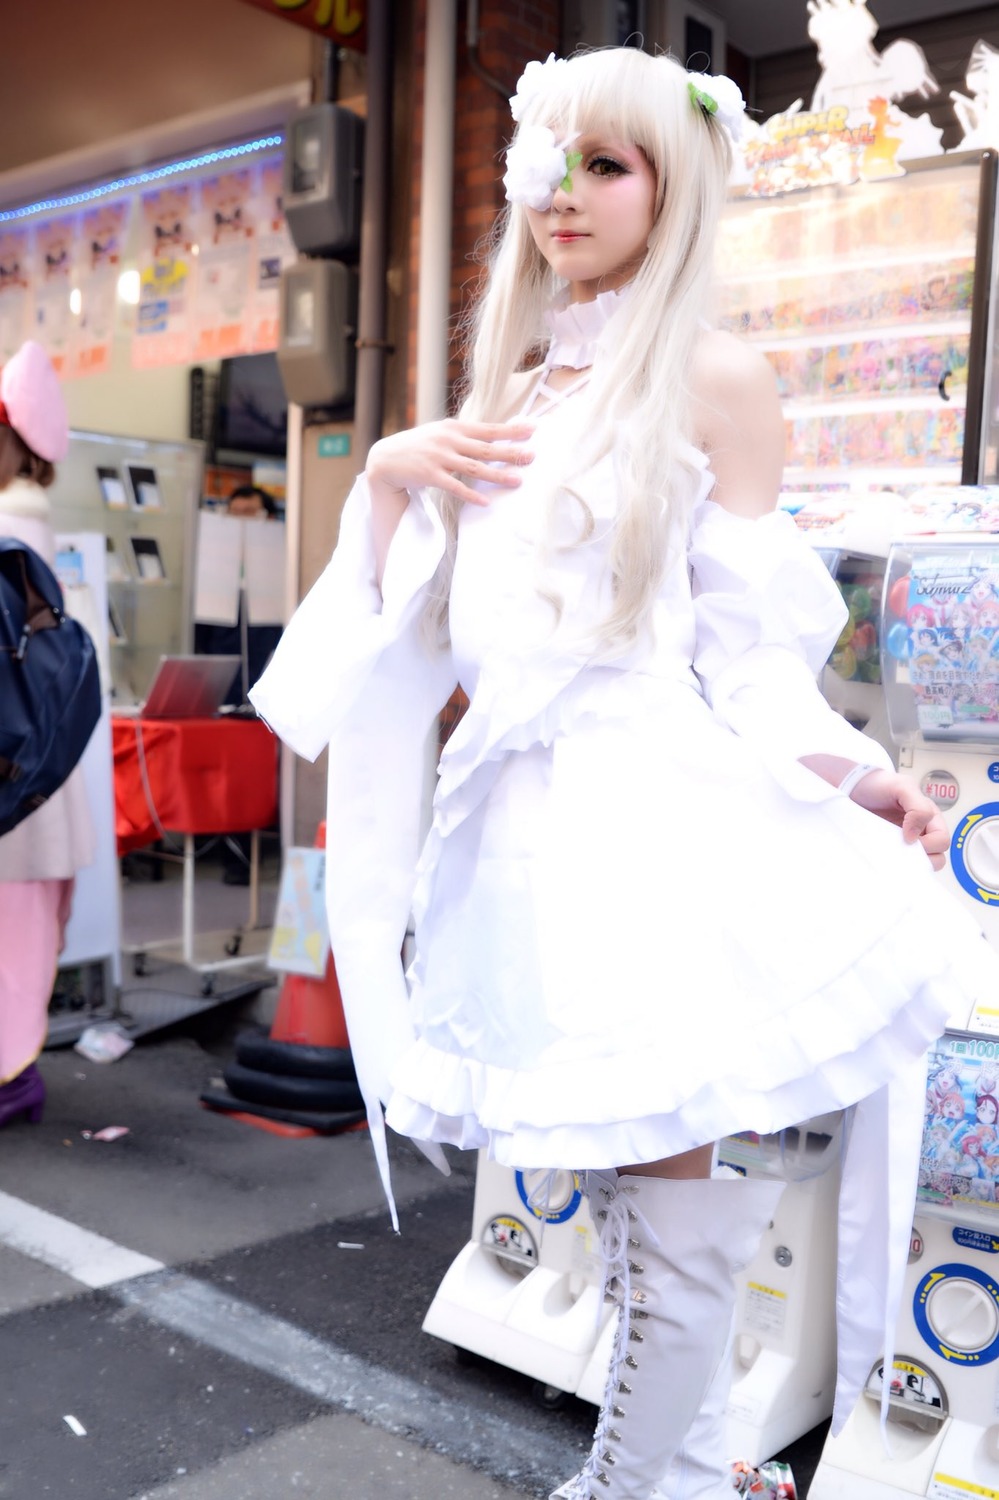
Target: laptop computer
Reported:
point(188, 687)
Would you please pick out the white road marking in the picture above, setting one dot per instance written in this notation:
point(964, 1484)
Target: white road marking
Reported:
point(395, 1403)
point(334, 1376)
point(79, 1253)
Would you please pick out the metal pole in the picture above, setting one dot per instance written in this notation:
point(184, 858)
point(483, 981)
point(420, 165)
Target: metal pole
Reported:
point(289, 771)
point(436, 193)
point(369, 401)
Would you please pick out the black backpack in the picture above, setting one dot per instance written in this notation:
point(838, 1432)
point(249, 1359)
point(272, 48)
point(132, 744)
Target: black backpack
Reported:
point(50, 692)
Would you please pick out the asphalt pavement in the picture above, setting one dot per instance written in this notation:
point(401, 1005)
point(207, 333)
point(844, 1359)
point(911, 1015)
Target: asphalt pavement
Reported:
point(199, 1310)
point(203, 1309)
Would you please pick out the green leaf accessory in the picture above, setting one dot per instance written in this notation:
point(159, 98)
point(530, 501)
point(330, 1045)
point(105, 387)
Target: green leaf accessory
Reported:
point(698, 96)
point(572, 160)
point(719, 99)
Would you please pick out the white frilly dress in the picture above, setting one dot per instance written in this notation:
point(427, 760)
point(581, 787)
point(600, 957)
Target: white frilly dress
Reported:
point(640, 923)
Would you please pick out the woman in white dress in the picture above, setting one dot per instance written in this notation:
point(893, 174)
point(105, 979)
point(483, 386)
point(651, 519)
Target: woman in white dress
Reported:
point(667, 894)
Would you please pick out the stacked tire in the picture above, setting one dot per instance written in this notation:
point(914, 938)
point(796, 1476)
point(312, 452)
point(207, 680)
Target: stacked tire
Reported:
point(295, 1083)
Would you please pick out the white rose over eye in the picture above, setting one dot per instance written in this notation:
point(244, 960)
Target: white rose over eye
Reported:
point(535, 165)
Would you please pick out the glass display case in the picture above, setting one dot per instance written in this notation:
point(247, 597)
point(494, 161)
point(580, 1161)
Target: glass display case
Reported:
point(872, 302)
point(851, 678)
point(143, 497)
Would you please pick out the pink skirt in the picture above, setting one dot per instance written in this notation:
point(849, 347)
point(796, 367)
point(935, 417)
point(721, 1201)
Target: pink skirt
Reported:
point(33, 916)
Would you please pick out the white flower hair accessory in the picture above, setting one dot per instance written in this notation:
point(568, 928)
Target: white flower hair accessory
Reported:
point(535, 78)
point(720, 97)
point(537, 164)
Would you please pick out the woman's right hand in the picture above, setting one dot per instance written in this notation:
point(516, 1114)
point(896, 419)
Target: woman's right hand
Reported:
point(448, 455)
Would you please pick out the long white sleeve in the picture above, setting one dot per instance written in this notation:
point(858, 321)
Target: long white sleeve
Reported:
point(767, 617)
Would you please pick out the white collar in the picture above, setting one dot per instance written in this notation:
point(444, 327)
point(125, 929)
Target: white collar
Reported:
point(577, 328)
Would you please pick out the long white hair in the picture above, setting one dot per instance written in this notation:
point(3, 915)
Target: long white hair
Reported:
point(637, 402)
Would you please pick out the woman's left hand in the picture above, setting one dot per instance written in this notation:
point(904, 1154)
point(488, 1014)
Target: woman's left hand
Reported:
point(898, 799)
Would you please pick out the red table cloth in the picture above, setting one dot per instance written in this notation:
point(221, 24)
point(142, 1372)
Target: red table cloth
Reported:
point(201, 776)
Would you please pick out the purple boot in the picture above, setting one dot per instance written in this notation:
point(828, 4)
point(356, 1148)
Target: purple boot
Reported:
point(23, 1095)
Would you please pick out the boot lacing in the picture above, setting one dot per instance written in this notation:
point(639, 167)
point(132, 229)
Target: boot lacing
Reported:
point(619, 1226)
point(621, 1230)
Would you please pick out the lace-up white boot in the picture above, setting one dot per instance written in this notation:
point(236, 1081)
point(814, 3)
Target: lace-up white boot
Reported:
point(702, 1469)
point(670, 1248)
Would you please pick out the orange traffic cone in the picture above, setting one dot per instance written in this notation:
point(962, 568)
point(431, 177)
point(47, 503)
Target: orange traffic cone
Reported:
point(309, 1014)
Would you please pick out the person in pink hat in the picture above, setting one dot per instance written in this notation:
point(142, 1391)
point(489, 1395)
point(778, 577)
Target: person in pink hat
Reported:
point(40, 857)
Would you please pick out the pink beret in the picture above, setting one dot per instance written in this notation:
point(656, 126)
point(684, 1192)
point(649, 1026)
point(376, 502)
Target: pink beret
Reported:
point(32, 402)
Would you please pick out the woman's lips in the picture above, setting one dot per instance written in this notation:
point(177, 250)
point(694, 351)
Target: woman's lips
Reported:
point(567, 238)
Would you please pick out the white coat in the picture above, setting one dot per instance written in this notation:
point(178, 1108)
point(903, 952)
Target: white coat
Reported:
point(57, 840)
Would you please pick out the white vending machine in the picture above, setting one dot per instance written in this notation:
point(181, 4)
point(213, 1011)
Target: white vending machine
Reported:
point(940, 656)
point(942, 1438)
point(940, 631)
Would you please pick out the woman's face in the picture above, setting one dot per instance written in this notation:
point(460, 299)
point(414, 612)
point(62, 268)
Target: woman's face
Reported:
point(597, 235)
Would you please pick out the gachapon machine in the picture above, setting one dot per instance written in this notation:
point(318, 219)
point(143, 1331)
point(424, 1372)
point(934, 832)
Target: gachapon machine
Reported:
point(943, 1423)
point(940, 657)
point(940, 638)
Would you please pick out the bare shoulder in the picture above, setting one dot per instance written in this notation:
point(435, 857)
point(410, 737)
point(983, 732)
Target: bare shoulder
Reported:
point(738, 422)
point(727, 366)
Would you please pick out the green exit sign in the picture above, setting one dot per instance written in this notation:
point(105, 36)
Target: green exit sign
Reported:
point(334, 445)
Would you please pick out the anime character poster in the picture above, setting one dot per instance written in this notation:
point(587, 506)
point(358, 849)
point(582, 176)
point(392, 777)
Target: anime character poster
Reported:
point(273, 251)
point(949, 635)
point(101, 245)
point(959, 1159)
point(226, 244)
point(166, 259)
point(15, 290)
point(52, 282)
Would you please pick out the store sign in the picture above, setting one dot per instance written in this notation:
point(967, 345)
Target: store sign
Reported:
point(837, 145)
point(341, 21)
point(855, 127)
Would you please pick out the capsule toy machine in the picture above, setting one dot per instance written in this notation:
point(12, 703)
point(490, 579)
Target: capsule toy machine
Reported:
point(940, 655)
point(525, 1291)
point(784, 1355)
point(942, 1435)
point(940, 632)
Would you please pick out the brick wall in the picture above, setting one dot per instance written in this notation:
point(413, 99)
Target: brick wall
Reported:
point(511, 33)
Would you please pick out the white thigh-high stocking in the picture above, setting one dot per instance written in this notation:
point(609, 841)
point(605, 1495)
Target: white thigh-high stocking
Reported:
point(670, 1248)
